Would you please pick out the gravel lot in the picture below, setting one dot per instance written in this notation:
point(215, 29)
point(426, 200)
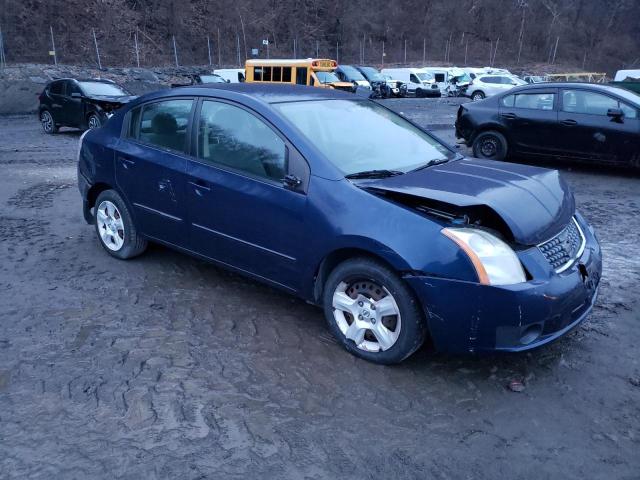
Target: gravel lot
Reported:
point(167, 367)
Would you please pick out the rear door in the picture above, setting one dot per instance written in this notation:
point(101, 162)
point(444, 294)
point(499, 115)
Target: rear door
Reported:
point(150, 167)
point(587, 133)
point(240, 211)
point(56, 99)
point(531, 118)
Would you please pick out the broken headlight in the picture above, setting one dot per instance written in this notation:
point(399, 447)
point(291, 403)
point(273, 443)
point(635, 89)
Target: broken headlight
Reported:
point(494, 261)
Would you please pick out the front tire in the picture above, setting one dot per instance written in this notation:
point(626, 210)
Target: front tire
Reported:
point(115, 228)
point(372, 312)
point(491, 145)
point(48, 124)
point(93, 121)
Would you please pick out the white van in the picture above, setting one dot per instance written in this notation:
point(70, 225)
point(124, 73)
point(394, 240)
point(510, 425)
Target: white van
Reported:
point(231, 75)
point(418, 82)
point(440, 76)
point(622, 75)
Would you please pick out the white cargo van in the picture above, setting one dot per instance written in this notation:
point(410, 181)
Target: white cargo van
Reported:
point(232, 75)
point(419, 83)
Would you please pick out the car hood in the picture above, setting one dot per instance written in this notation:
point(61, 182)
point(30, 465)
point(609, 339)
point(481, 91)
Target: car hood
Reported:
point(122, 99)
point(535, 203)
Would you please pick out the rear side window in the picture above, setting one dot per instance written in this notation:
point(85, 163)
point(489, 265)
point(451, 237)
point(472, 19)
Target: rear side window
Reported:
point(57, 88)
point(232, 137)
point(162, 124)
point(439, 77)
point(509, 100)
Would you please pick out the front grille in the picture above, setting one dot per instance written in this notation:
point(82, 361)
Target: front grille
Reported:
point(564, 248)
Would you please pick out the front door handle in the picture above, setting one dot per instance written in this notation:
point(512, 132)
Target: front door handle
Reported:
point(569, 123)
point(200, 186)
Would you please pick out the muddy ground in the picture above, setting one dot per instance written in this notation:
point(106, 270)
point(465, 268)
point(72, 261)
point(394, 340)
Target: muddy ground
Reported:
point(167, 367)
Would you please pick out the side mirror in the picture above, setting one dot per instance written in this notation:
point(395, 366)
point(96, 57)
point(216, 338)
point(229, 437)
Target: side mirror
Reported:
point(616, 114)
point(76, 95)
point(228, 81)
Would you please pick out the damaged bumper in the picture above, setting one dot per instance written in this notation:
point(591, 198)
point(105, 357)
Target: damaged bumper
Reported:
point(466, 317)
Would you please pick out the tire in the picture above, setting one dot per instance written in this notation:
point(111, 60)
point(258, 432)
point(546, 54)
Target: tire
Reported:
point(420, 93)
point(116, 231)
point(491, 145)
point(47, 122)
point(363, 289)
point(93, 121)
point(477, 96)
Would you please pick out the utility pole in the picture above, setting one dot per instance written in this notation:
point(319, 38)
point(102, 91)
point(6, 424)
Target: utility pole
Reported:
point(466, 49)
point(383, 54)
point(209, 49)
point(337, 52)
point(3, 60)
point(95, 41)
point(219, 50)
point(317, 49)
point(295, 53)
point(555, 50)
point(238, 43)
point(364, 44)
point(53, 47)
point(135, 38)
point(405, 51)
point(175, 50)
point(424, 51)
point(495, 52)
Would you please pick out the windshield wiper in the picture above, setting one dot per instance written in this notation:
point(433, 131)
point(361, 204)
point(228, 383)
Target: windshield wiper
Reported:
point(374, 174)
point(432, 163)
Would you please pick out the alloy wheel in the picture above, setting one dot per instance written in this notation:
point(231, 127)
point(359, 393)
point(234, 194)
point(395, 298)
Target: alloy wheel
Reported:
point(94, 122)
point(110, 225)
point(367, 314)
point(47, 121)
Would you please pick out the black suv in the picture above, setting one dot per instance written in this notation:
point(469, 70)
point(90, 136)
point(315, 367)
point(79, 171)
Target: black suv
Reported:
point(82, 104)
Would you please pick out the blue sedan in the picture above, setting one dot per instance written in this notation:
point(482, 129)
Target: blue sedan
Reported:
point(341, 202)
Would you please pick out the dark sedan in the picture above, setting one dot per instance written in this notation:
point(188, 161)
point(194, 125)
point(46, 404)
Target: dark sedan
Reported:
point(576, 121)
point(69, 102)
point(395, 235)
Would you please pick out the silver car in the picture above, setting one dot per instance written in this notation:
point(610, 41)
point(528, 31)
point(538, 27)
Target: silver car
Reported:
point(487, 85)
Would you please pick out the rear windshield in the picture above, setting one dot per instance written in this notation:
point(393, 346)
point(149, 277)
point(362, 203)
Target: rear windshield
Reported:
point(100, 88)
point(366, 147)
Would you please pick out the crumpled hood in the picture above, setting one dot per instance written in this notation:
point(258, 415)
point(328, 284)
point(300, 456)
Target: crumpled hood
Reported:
point(122, 99)
point(535, 203)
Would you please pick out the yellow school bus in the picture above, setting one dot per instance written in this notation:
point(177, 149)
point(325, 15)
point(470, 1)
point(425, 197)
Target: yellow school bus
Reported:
point(315, 72)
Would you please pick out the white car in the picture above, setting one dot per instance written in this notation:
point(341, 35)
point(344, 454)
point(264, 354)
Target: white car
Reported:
point(487, 85)
point(418, 82)
point(232, 75)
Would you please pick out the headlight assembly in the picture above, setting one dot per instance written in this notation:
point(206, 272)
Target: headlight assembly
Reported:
point(494, 261)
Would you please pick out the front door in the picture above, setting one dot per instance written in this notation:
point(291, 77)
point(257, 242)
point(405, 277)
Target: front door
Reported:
point(531, 119)
point(587, 133)
point(150, 168)
point(240, 211)
point(74, 110)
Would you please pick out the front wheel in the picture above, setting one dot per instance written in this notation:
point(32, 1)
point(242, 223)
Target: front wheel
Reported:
point(477, 96)
point(491, 145)
point(115, 228)
point(94, 121)
point(47, 122)
point(372, 312)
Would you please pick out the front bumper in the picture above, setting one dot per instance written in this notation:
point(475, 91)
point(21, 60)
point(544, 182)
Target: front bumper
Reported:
point(466, 317)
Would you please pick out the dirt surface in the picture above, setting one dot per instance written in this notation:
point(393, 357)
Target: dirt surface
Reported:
point(167, 367)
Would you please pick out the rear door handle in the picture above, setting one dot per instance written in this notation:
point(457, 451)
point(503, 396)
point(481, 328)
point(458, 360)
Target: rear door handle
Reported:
point(126, 162)
point(569, 123)
point(200, 186)
point(510, 116)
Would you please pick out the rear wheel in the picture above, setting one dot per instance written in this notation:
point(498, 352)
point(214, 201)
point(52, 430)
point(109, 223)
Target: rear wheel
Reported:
point(115, 228)
point(48, 125)
point(372, 312)
point(477, 95)
point(491, 145)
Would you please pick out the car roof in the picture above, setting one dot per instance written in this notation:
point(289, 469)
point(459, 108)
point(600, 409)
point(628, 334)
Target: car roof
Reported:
point(621, 92)
point(276, 93)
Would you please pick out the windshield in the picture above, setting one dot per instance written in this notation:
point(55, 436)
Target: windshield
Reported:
point(383, 140)
point(424, 76)
point(100, 88)
point(372, 74)
point(212, 79)
point(327, 77)
point(352, 73)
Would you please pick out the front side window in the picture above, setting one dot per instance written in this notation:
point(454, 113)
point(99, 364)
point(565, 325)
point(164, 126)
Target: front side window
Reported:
point(629, 112)
point(164, 124)
point(413, 78)
point(366, 147)
point(72, 88)
point(509, 101)
point(589, 103)
point(231, 136)
point(535, 101)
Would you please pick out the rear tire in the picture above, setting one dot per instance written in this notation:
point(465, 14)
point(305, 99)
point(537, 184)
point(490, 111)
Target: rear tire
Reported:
point(93, 121)
point(47, 122)
point(114, 225)
point(491, 145)
point(477, 96)
point(372, 313)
